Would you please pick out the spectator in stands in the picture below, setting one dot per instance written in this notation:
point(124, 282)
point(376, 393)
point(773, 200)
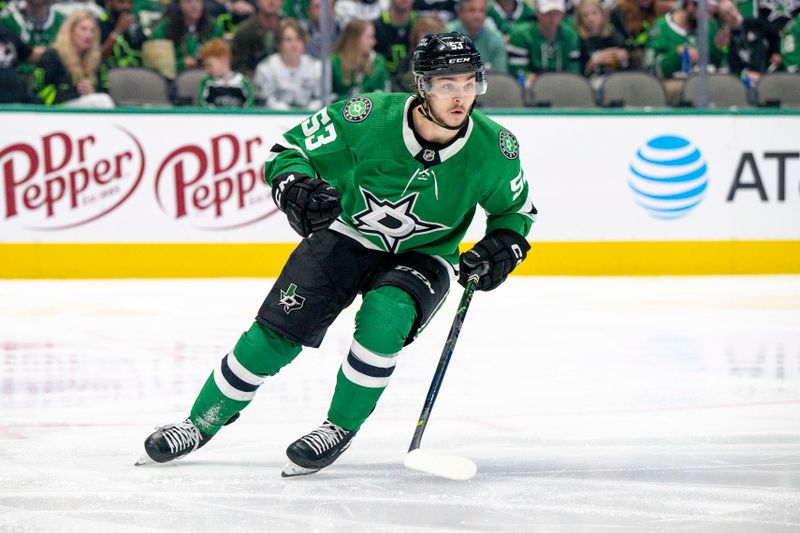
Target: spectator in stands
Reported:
point(547, 45)
point(673, 42)
point(68, 73)
point(255, 38)
point(347, 10)
point(298, 9)
point(403, 80)
point(222, 87)
point(149, 13)
point(356, 68)
point(392, 32)
point(121, 35)
point(13, 51)
point(602, 48)
point(313, 28)
point(68, 7)
point(35, 23)
point(189, 27)
point(747, 42)
point(229, 14)
point(290, 79)
point(444, 10)
point(633, 19)
point(776, 15)
point(473, 23)
point(790, 46)
point(506, 14)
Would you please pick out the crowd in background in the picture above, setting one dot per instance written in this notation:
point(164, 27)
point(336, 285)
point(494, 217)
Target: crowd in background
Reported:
point(269, 52)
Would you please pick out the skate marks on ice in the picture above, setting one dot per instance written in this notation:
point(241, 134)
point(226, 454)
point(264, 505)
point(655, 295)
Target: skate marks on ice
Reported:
point(656, 404)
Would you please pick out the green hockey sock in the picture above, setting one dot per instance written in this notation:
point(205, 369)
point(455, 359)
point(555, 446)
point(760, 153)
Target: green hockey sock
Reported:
point(260, 352)
point(382, 326)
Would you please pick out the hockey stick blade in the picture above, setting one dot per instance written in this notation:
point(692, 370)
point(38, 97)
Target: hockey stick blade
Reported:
point(446, 466)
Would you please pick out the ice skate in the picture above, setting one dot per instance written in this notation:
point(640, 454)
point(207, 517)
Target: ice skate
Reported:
point(172, 442)
point(318, 449)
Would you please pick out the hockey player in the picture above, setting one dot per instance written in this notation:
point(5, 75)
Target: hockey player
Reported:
point(382, 187)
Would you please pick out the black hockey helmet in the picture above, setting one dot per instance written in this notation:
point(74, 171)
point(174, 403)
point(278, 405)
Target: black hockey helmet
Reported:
point(440, 54)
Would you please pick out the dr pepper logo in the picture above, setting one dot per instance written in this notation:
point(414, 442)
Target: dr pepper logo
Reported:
point(216, 185)
point(62, 180)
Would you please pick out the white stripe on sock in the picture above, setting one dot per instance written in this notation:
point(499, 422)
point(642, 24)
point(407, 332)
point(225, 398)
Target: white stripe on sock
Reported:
point(229, 390)
point(361, 379)
point(371, 358)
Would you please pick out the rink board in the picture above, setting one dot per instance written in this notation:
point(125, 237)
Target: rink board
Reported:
point(167, 194)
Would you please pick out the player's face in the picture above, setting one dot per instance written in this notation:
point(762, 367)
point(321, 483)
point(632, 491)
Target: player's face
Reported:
point(450, 98)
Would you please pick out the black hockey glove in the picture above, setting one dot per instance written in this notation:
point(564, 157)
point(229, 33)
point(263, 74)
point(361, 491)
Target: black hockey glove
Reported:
point(310, 204)
point(493, 258)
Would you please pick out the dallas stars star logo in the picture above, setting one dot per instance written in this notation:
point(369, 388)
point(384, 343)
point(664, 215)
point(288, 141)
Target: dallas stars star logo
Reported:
point(290, 300)
point(393, 222)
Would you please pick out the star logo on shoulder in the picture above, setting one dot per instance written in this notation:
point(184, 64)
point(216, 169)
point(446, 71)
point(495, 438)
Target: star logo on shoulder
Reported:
point(393, 222)
point(509, 145)
point(357, 109)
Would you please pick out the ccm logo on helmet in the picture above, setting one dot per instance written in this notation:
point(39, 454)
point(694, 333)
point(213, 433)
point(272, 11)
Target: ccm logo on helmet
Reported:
point(458, 60)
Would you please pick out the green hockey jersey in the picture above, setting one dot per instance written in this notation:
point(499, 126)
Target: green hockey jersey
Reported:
point(398, 193)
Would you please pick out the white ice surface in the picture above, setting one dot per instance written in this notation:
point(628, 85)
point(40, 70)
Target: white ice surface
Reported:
point(588, 404)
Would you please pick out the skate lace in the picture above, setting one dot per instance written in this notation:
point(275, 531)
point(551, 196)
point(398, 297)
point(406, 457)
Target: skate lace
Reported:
point(181, 436)
point(325, 437)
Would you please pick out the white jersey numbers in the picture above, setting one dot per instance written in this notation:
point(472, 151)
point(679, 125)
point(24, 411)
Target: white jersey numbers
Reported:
point(311, 129)
point(517, 185)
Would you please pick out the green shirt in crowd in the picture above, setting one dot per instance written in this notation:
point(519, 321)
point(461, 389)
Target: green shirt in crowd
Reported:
point(31, 34)
point(790, 46)
point(377, 80)
point(666, 39)
point(191, 43)
point(507, 22)
point(489, 42)
point(529, 51)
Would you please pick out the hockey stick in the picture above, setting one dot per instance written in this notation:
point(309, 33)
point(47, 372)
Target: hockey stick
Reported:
point(448, 466)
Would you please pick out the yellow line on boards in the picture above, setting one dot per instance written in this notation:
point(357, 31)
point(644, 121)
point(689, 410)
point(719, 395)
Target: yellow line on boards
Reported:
point(147, 260)
point(662, 258)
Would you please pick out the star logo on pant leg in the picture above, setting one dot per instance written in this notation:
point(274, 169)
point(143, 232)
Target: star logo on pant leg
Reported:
point(290, 300)
point(393, 222)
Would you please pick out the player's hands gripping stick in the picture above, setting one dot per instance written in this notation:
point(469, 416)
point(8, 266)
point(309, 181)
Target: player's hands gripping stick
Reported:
point(310, 204)
point(493, 258)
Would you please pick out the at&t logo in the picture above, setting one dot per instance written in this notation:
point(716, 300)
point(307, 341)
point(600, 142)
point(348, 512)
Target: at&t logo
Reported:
point(668, 177)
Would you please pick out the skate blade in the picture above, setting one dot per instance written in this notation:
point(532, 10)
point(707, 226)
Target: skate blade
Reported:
point(144, 460)
point(293, 470)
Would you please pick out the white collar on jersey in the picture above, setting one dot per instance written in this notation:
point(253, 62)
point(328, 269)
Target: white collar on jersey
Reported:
point(414, 147)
